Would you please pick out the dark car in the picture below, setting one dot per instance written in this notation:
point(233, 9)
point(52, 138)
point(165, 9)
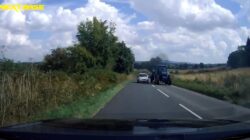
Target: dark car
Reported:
point(160, 74)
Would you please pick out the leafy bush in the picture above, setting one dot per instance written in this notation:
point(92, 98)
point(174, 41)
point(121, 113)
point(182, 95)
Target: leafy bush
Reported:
point(124, 59)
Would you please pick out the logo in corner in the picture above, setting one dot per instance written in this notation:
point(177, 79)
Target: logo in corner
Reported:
point(21, 7)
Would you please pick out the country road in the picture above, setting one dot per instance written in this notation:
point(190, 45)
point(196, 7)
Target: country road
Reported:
point(147, 101)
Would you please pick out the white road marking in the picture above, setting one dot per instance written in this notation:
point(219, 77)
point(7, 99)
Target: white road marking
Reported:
point(190, 111)
point(153, 85)
point(163, 93)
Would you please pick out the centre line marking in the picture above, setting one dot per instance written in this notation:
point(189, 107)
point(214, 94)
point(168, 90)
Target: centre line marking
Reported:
point(190, 111)
point(163, 93)
point(153, 85)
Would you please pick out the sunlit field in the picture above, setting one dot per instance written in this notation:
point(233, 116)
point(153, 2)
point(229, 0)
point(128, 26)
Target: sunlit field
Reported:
point(232, 85)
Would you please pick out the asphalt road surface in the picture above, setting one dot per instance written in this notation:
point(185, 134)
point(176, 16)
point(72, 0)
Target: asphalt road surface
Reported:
point(147, 101)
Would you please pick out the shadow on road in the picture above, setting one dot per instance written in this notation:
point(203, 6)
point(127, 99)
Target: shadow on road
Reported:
point(141, 82)
point(163, 84)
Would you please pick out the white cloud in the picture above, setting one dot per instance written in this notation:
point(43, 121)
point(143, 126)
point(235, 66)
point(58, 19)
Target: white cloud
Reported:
point(146, 25)
point(61, 39)
point(107, 12)
point(192, 14)
point(183, 45)
point(181, 30)
point(188, 30)
point(19, 47)
point(9, 39)
point(38, 20)
point(14, 21)
point(64, 20)
point(26, 53)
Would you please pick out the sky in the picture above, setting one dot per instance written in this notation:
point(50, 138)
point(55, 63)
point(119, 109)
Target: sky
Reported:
point(178, 30)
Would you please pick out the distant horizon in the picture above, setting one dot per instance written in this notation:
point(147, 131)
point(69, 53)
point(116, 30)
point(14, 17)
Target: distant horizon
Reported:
point(135, 62)
point(183, 62)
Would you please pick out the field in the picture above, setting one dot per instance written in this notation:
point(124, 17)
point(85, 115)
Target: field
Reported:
point(231, 85)
point(33, 95)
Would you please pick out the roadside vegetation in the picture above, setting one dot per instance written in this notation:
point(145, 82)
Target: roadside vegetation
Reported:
point(224, 83)
point(70, 82)
point(230, 85)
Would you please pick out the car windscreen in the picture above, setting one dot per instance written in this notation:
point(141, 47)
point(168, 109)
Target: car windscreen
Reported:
point(143, 75)
point(162, 69)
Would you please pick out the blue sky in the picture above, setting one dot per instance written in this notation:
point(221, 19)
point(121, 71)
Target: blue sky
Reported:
point(205, 31)
point(229, 4)
point(234, 7)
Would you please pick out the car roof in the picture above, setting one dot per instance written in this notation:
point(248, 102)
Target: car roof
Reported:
point(142, 73)
point(161, 65)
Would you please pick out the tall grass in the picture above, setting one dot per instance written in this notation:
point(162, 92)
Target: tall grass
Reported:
point(25, 94)
point(230, 85)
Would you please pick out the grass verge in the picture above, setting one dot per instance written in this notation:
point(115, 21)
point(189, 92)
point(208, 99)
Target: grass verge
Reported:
point(31, 95)
point(229, 85)
point(206, 89)
point(85, 107)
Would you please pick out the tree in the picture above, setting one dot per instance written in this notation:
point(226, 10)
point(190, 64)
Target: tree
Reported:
point(80, 59)
point(196, 66)
point(97, 47)
point(72, 59)
point(98, 38)
point(247, 47)
point(57, 60)
point(149, 64)
point(125, 59)
point(240, 57)
point(183, 66)
point(201, 65)
point(241, 48)
point(237, 59)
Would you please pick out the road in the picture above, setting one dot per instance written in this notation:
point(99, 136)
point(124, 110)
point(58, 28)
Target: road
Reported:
point(147, 101)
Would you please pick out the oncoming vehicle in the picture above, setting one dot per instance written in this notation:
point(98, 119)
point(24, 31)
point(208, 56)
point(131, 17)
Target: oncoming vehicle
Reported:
point(143, 78)
point(160, 74)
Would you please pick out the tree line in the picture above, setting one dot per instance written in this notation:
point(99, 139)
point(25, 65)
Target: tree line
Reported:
point(172, 65)
point(97, 47)
point(240, 57)
point(149, 65)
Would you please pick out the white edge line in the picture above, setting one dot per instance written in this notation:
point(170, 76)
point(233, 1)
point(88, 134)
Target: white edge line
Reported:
point(163, 93)
point(190, 111)
point(153, 85)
